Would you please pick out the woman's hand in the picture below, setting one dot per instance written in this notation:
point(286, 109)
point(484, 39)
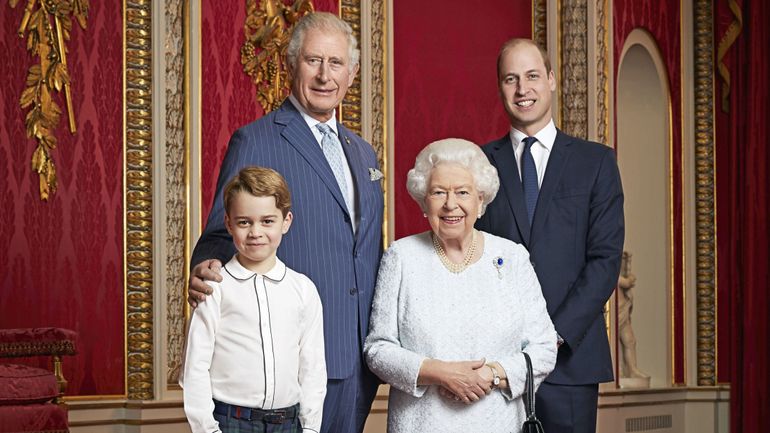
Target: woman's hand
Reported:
point(465, 380)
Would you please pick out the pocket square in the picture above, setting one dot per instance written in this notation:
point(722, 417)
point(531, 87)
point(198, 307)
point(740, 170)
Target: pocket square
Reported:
point(375, 174)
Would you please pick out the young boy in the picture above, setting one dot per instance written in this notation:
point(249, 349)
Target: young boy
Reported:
point(255, 350)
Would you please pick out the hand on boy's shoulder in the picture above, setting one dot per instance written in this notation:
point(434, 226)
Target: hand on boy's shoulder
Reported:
point(197, 288)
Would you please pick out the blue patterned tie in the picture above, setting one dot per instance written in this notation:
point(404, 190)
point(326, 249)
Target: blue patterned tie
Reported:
point(529, 177)
point(332, 149)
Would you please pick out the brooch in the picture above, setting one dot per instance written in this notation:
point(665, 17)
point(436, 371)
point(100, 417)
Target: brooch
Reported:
point(498, 262)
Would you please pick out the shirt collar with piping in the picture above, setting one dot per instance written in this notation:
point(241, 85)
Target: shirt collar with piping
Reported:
point(239, 272)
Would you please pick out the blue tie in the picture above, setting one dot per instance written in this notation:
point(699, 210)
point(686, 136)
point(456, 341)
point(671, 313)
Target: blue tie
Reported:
point(529, 177)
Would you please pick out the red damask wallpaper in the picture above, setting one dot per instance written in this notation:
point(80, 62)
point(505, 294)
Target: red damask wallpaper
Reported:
point(229, 98)
point(445, 81)
point(62, 260)
point(661, 18)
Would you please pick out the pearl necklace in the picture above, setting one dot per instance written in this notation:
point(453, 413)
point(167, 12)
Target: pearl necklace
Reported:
point(455, 268)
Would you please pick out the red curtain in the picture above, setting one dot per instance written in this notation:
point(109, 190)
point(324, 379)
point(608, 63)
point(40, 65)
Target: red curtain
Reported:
point(744, 240)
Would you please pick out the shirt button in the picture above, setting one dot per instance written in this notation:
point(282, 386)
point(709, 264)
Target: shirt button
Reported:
point(353, 291)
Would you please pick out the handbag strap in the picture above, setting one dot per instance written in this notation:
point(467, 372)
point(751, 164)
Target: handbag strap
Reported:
point(529, 388)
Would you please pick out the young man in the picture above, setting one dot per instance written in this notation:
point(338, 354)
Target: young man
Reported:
point(255, 350)
point(561, 198)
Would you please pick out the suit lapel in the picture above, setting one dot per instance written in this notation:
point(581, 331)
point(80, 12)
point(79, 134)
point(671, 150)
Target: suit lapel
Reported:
point(556, 163)
point(508, 170)
point(297, 133)
point(358, 170)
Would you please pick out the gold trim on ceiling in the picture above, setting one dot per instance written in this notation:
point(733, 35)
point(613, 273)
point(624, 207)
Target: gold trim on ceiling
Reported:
point(138, 185)
point(705, 196)
point(48, 25)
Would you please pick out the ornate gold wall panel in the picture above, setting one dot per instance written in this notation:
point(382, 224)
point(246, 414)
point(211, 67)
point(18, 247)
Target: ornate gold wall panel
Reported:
point(350, 12)
point(540, 23)
point(138, 197)
point(379, 84)
point(705, 202)
point(268, 29)
point(574, 67)
point(176, 167)
point(602, 73)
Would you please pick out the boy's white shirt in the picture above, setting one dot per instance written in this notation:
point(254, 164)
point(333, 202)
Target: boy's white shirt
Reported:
point(256, 342)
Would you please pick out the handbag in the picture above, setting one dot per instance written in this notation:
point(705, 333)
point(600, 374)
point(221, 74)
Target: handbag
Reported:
point(531, 424)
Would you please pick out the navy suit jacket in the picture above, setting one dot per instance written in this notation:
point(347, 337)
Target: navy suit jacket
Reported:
point(575, 244)
point(320, 243)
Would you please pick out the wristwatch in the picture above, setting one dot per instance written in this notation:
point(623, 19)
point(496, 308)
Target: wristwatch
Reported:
point(495, 376)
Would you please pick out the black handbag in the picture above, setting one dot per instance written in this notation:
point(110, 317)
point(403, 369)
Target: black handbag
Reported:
point(531, 424)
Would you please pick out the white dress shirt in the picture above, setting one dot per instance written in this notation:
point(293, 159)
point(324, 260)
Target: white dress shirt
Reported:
point(311, 122)
point(541, 150)
point(256, 342)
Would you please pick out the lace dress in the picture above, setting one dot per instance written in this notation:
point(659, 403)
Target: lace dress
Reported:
point(491, 310)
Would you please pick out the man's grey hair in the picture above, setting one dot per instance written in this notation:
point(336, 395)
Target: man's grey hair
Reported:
point(323, 21)
point(457, 151)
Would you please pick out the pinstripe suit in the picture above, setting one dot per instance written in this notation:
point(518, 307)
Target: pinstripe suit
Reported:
point(321, 243)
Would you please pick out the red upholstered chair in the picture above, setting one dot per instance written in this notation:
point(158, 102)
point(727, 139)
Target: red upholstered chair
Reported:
point(29, 396)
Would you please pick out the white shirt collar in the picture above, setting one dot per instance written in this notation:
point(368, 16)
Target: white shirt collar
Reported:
point(546, 136)
point(312, 122)
point(239, 272)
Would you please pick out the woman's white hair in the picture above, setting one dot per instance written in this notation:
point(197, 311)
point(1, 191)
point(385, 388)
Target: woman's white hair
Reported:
point(456, 151)
point(321, 21)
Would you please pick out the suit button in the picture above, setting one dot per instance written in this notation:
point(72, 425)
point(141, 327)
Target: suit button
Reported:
point(347, 218)
point(532, 262)
point(353, 291)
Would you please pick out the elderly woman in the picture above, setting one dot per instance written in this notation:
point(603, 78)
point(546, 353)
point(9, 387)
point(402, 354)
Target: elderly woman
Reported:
point(454, 307)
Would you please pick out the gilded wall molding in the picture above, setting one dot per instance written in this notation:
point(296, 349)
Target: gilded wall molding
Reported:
point(176, 165)
point(574, 67)
point(48, 25)
point(602, 73)
point(540, 22)
point(267, 30)
point(138, 198)
point(379, 83)
point(705, 203)
point(350, 109)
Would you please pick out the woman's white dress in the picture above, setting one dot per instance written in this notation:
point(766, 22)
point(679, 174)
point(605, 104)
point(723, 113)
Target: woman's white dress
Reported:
point(491, 310)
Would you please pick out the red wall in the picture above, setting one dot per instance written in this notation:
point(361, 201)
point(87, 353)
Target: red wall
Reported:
point(229, 98)
point(661, 18)
point(445, 80)
point(63, 259)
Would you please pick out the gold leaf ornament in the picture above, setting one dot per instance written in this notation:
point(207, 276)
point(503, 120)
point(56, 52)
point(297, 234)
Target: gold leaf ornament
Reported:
point(267, 28)
point(47, 25)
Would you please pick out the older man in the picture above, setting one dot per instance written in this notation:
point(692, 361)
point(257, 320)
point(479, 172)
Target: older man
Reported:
point(561, 198)
point(336, 237)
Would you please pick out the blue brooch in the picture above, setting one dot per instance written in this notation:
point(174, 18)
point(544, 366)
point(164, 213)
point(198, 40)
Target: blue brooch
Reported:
point(498, 262)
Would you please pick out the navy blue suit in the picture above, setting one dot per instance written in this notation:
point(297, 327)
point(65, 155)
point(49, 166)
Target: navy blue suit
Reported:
point(320, 243)
point(575, 244)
